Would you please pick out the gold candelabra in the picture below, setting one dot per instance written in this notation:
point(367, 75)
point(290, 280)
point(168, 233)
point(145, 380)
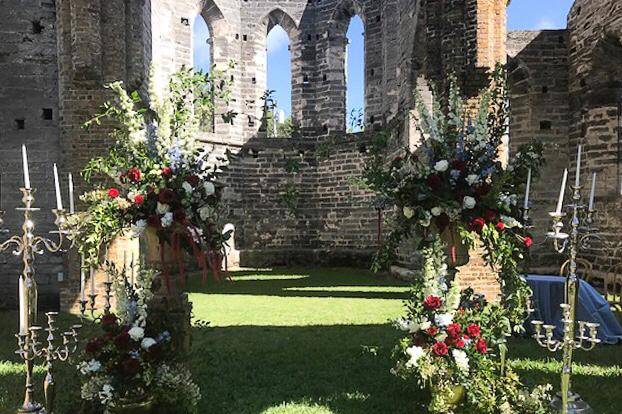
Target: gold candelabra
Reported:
point(27, 245)
point(576, 334)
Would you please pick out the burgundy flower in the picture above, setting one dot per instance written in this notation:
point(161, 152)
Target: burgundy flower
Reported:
point(94, 345)
point(432, 331)
point(481, 346)
point(440, 348)
point(134, 174)
point(455, 342)
point(482, 190)
point(166, 196)
point(442, 221)
point(113, 193)
point(454, 330)
point(109, 319)
point(432, 302)
point(167, 171)
point(122, 341)
point(193, 180)
point(179, 215)
point(434, 181)
point(131, 366)
point(491, 215)
point(418, 340)
point(153, 220)
point(474, 331)
point(458, 165)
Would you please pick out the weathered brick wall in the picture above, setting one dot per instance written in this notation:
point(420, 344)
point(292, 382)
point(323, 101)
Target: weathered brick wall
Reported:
point(595, 86)
point(28, 115)
point(539, 110)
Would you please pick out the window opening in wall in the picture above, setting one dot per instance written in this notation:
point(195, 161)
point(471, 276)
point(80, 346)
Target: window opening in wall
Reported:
point(201, 45)
point(355, 76)
point(279, 76)
point(47, 114)
point(20, 124)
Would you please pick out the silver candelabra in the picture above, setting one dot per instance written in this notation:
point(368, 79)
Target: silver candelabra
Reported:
point(26, 245)
point(576, 334)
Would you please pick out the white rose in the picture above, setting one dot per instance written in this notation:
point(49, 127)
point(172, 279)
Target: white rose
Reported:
point(162, 208)
point(167, 219)
point(409, 212)
point(147, 343)
point(462, 360)
point(425, 324)
point(436, 211)
point(415, 353)
point(441, 166)
point(187, 187)
point(136, 333)
point(204, 212)
point(209, 188)
point(468, 202)
point(138, 136)
point(472, 179)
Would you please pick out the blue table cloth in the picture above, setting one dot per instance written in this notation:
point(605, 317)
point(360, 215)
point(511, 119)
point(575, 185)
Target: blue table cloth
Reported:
point(548, 294)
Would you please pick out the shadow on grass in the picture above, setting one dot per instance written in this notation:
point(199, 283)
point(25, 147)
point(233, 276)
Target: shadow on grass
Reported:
point(305, 283)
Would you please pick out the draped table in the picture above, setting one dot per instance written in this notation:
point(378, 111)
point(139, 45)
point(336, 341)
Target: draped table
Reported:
point(548, 294)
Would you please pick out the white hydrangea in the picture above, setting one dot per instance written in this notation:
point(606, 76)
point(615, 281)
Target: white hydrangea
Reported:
point(136, 333)
point(468, 202)
point(209, 188)
point(90, 366)
point(443, 319)
point(415, 353)
point(436, 211)
point(472, 179)
point(441, 166)
point(167, 219)
point(462, 360)
point(426, 220)
point(105, 395)
point(147, 343)
point(162, 208)
point(204, 212)
point(139, 227)
point(187, 187)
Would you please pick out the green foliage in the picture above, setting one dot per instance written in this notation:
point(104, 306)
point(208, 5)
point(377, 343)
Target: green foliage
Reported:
point(290, 196)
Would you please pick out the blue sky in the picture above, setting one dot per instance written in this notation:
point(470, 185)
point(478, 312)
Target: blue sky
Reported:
point(522, 15)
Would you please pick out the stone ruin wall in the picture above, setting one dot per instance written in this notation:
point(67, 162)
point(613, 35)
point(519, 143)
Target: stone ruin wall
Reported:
point(566, 89)
point(85, 44)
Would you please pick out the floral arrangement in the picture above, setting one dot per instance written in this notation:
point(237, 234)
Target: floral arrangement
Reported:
point(155, 176)
point(454, 181)
point(449, 347)
point(130, 362)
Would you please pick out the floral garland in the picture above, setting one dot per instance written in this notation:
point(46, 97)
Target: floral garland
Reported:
point(450, 343)
point(131, 361)
point(455, 179)
point(155, 176)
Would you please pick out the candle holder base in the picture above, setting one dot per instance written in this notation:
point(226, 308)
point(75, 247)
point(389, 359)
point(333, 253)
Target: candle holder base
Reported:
point(32, 408)
point(575, 405)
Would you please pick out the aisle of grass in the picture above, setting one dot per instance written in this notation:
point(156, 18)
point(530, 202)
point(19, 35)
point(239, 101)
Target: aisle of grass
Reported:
point(296, 341)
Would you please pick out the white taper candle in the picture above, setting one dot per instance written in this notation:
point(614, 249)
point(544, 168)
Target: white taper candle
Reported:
point(82, 280)
point(562, 192)
point(577, 179)
point(59, 199)
point(25, 167)
point(592, 192)
point(526, 205)
point(72, 205)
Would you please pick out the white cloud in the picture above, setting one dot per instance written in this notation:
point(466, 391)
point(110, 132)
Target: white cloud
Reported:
point(546, 23)
point(277, 40)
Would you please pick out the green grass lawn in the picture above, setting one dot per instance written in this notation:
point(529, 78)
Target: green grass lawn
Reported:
point(295, 341)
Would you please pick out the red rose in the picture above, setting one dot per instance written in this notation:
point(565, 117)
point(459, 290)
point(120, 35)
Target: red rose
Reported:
point(193, 180)
point(122, 341)
point(434, 181)
point(500, 225)
point(167, 172)
point(481, 346)
point(109, 319)
point(528, 241)
point(113, 193)
point(477, 224)
point(440, 348)
point(474, 331)
point(131, 366)
point(134, 174)
point(139, 199)
point(166, 196)
point(491, 215)
point(454, 330)
point(432, 302)
point(455, 342)
point(432, 331)
point(458, 165)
